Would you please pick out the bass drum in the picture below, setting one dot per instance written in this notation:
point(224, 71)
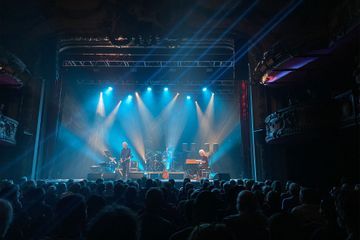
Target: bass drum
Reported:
point(109, 167)
point(158, 166)
point(154, 165)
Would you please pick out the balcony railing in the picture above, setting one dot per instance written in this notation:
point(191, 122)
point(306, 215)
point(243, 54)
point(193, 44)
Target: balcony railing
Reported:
point(299, 121)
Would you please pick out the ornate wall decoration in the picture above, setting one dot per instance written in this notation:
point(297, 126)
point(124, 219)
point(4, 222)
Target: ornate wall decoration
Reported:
point(8, 128)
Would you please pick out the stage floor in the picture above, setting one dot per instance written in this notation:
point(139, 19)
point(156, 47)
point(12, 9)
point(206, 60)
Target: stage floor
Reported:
point(178, 182)
point(133, 175)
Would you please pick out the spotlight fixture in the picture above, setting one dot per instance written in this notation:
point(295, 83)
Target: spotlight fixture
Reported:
point(188, 97)
point(166, 89)
point(108, 90)
point(129, 97)
point(149, 89)
point(204, 89)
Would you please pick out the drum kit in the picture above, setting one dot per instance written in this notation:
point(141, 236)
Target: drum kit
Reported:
point(156, 160)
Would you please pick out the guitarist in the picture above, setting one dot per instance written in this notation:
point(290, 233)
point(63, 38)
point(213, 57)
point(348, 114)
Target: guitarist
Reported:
point(125, 156)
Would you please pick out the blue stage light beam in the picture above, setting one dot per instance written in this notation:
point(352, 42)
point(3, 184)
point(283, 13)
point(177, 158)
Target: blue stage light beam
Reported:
point(100, 109)
point(166, 112)
point(188, 97)
point(147, 118)
point(200, 32)
point(169, 34)
point(255, 39)
point(112, 116)
point(230, 28)
point(173, 125)
point(204, 89)
point(149, 89)
point(166, 89)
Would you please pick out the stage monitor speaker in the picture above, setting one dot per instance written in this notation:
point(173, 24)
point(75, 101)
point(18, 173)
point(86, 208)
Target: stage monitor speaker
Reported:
point(222, 176)
point(95, 169)
point(94, 176)
point(155, 175)
point(215, 147)
point(176, 175)
point(193, 147)
point(185, 147)
point(136, 175)
point(110, 176)
point(133, 164)
point(207, 147)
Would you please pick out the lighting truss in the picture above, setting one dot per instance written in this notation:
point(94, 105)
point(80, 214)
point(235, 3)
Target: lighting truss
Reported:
point(185, 65)
point(147, 64)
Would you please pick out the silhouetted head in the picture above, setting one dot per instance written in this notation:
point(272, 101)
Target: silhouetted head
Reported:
point(61, 188)
point(185, 181)
point(273, 200)
point(205, 207)
point(70, 215)
point(119, 189)
point(247, 202)
point(294, 189)
point(287, 185)
point(172, 182)
point(149, 183)
point(348, 208)
point(240, 182)
point(113, 222)
point(10, 193)
point(109, 186)
point(210, 232)
point(34, 195)
point(94, 204)
point(75, 188)
point(276, 186)
point(268, 182)
point(130, 194)
point(154, 199)
point(6, 216)
point(217, 183)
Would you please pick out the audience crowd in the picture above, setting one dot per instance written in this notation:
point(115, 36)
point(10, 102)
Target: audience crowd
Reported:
point(152, 209)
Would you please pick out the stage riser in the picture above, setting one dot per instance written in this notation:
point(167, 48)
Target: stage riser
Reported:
point(135, 175)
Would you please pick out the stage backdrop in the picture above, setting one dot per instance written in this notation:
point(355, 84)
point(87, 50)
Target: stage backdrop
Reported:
point(95, 119)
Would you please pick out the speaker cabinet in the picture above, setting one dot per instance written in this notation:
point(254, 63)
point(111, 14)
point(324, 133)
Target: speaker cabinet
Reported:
point(222, 176)
point(215, 147)
point(94, 176)
point(185, 147)
point(111, 176)
point(136, 175)
point(155, 175)
point(177, 175)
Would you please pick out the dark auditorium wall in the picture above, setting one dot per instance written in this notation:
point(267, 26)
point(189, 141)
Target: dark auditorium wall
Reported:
point(328, 91)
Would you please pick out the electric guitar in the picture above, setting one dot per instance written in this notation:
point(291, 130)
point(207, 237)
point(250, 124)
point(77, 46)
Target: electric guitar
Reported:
point(125, 160)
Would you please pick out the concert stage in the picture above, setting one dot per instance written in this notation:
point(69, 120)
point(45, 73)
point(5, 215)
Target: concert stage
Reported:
point(166, 113)
point(178, 182)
